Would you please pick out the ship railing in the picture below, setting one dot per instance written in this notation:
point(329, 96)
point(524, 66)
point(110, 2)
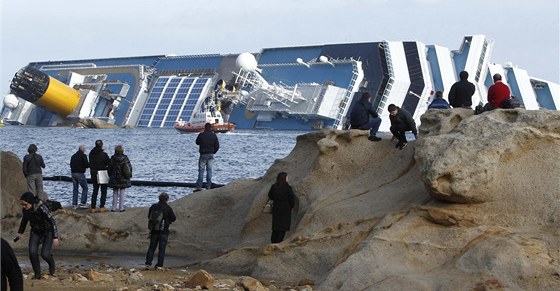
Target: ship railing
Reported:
point(391, 80)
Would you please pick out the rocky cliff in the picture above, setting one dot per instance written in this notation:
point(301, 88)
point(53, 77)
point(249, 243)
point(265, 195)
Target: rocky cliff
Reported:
point(473, 204)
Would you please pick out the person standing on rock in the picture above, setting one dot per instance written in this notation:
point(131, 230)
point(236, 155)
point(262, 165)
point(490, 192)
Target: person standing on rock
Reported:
point(98, 161)
point(360, 117)
point(283, 198)
point(208, 146)
point(78, 165)
point(120, 172)
point(159, 231)
point(460, 94)
point(43, 231)
point(33, 166)
point(401, 122)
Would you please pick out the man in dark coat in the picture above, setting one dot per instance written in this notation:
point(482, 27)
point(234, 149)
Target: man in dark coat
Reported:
point(11, 272)
point(160, 236)
point(208, 146)
point(360, 117)
point(78, 165)
point(439, 102)
point(401, 122)
point(98, 160)
point(460, 94)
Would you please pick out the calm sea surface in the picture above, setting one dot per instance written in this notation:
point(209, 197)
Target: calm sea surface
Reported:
point(155, 154)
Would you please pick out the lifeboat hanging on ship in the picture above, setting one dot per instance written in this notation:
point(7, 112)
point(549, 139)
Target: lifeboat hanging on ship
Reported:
point(198, 120)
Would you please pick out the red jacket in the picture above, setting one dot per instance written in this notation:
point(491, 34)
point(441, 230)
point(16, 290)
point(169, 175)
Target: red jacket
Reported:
point(497, 93)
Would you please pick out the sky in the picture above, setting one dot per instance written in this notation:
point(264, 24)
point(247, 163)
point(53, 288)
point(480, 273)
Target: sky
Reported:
point(525, 33)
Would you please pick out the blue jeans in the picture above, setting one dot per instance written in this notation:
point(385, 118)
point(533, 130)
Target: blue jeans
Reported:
point(79, 179)
point(47, 241)
point(373, 126)
point(205, 161)
point(156, 238)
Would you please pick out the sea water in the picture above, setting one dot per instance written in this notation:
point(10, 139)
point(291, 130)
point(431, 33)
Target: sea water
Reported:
point(156, 154)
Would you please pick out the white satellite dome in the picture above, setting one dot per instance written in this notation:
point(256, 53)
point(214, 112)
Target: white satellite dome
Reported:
point(246, 61)
point(10, 101)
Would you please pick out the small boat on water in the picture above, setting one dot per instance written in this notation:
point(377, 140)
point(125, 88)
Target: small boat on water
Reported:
point(198, 120)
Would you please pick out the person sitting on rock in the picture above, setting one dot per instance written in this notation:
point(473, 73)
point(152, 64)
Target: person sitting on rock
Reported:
point(439, 102)
point(401, 122)
point(498, 95)
point(360, 117)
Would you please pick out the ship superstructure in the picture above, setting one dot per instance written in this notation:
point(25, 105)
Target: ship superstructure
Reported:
point(289, 88)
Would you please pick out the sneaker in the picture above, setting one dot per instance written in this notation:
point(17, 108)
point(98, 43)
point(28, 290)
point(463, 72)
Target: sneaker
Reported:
point(74, 207)
point(93, 210)
point(83, 206)
point(158, 268)
point(103, 209)
point(398, 145)
point(122, 210)
point(403, 145)
point(147, 267)
point(374, 138)
point(113, 210)
point(197, 189)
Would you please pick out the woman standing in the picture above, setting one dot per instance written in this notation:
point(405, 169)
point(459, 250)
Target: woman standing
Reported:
point(283, 198)
point(120, 172)
point(33, 166)
point(43, 231)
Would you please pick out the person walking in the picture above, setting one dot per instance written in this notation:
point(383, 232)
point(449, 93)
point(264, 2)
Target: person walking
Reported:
point(283, 198)
point(208, 146)
point(401, 122)
point(43, 232)
point(360, 117)
point(120, 172)
point(33, 166)
point(98, 161)
point(11, 272)
point(160, 216)
point(439, 102)
point(460, 94)
point(78, 165)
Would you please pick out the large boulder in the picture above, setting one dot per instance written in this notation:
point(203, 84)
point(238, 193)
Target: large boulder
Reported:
point(13, 184)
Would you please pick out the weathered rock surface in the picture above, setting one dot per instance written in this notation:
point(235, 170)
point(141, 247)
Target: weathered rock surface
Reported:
point(473, 204)
point(93, 123)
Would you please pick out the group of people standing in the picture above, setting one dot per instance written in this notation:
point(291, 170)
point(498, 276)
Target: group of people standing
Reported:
point(117, 168)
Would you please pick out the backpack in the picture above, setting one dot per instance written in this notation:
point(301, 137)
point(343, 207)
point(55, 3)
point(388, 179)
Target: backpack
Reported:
point(53, 205)
point(126, 171)
point(155, 219)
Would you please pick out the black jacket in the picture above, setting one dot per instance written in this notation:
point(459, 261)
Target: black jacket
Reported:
point(79, 162)
point(361, 112)
point(168, 215)
point(115, 170)
point(33, 164)
point(284, 200)
point(40, 218)
point(403, 119)
point(98, 160)
point(10, 269)
point(207, 142)
point(460, 94)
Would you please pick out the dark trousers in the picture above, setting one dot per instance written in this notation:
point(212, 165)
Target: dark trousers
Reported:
point(372, 124)
point(103, 195)
point(157, 238)
point(277, 236)
point(399, 131)
point(46, 252)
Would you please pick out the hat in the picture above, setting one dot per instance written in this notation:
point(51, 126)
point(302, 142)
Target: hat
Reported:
point(28, 197)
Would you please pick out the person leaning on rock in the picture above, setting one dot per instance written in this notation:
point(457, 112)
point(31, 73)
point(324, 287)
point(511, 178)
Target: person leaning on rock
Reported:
point(283, 198)
point(401, 122)
point(33, 166)
point(43, 232)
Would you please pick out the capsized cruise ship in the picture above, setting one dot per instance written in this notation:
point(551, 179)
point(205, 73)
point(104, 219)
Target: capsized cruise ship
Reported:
point(286, 88)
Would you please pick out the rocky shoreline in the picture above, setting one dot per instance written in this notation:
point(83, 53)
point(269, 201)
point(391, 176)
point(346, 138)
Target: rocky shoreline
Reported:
point(473, 204)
